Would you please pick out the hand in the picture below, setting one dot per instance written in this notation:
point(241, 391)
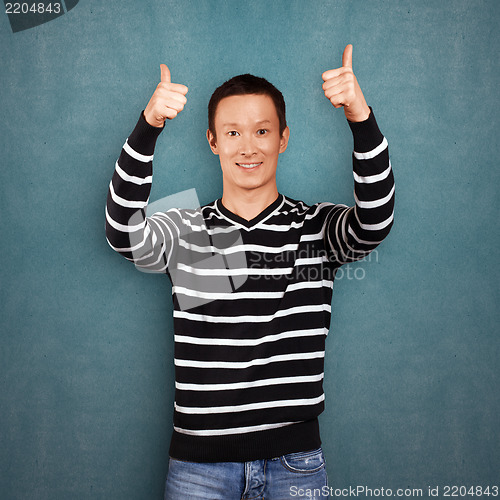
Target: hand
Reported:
point(342, 89)
point(167, 101)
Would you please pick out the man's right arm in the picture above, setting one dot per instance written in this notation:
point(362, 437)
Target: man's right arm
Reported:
point(146, 241)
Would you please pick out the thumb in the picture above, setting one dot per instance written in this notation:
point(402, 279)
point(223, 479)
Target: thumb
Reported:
point(347, 57)
point(165, 73)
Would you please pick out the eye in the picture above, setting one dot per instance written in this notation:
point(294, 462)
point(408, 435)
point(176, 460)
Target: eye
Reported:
point(232, 133)
point(262, 131)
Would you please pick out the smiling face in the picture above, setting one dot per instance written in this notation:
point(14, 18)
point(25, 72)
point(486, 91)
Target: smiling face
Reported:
point(248, 142)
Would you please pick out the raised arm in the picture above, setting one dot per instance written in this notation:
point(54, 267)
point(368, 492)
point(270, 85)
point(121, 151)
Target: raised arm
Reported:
point(352, 232)
point(148, 242)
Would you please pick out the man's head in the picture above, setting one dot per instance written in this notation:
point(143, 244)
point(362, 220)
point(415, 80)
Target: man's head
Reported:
point(244, 85)
point(247, 130)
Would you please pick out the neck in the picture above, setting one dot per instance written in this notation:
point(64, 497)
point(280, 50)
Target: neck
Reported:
point(248, 203)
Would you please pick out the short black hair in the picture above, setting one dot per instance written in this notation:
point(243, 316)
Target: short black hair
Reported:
point(243, 85)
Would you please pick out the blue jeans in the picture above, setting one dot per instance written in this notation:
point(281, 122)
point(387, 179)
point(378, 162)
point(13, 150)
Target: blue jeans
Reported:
point(297, 475)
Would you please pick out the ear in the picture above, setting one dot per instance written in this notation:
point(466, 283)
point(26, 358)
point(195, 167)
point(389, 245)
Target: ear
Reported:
point(284, 140)
point(212, 142)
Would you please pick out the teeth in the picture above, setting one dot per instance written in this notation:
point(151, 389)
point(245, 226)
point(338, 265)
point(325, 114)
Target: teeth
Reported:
point(248, 165)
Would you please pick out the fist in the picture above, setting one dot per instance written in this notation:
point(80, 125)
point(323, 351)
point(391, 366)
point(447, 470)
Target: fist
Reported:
point(167, 101)
point(342, 89)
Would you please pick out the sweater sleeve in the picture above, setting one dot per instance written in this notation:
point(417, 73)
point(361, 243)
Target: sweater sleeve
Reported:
point(353, 232)
point(148, 242)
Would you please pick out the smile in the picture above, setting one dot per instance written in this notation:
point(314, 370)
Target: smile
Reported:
point(249, 165)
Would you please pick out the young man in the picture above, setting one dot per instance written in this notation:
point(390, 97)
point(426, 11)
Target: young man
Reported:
point(252, 277)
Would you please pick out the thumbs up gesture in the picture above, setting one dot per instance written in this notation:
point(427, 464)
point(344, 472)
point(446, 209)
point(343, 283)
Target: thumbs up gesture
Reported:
point(342, 89)
point(167, 101)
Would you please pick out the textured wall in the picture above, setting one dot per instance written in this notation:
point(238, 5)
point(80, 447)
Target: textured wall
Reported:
point(412, 377)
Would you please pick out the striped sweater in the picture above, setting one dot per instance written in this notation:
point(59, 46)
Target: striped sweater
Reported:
point(251, 299)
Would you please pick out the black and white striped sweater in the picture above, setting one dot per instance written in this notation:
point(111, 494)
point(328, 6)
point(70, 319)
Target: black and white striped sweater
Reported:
point(252, 299)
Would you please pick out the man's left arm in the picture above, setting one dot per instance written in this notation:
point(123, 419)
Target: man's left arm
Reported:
point(353, 232)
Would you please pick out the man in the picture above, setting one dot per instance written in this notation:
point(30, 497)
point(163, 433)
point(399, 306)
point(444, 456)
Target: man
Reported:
point(252, 277)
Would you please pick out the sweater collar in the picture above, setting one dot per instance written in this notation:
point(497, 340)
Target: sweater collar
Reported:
point(236, 219)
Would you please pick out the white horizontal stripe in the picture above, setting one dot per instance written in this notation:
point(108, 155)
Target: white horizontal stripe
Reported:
point(291, 247)
point(214, 215)
point(221, 230)
point(123, 202)
point(134, 154)
point(310, 261)
point(376, 227)
point(131, 178)
point(313, 332)
point(374, 152)
point(198, 248)
point(239, 248)
point(253, 318)
point(234, 272)
point(374, 203)
point(283, 227)
point(318, 208)
point(198, 410)
point(246, 385)
point(370, 179)
point(135, 247)
point(310, 284)
point(359, 240)
point(116, 249)
point(295, 205)
point(251, 295)
point(227, 295)
point(123, 228)
point(215, 230)
point(246, 364)
point(232, 430)
point(194, 213)
point(304, 208)
point(312, 237)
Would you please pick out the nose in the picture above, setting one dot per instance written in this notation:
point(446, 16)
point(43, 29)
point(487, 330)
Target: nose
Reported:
point(247, 146)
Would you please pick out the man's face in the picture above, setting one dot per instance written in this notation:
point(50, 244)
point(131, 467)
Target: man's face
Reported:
point(248, 141)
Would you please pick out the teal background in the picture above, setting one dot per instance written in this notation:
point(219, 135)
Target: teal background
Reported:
point(412, 376)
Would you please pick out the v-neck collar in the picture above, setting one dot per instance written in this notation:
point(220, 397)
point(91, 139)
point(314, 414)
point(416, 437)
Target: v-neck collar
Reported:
point(252, 222)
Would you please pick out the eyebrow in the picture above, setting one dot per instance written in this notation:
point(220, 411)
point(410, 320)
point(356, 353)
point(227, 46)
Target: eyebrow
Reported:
point(236, 124)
